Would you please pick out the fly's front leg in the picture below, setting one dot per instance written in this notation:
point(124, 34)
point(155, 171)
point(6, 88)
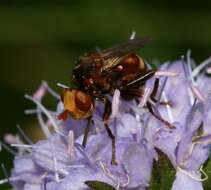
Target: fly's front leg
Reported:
point(86, 131)
point(106, 115)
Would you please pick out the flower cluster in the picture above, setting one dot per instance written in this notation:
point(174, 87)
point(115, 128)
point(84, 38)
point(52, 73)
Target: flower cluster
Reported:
point(60, 162)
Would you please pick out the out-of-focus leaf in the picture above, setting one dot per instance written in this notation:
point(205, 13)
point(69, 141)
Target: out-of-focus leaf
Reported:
point(99, 185)
point(163, 173)
point(207, 166)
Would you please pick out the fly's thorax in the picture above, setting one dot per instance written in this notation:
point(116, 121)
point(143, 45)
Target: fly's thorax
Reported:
point(130, 64)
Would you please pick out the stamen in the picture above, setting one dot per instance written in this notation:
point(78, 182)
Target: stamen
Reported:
point(71, 148)
point(200, 67)
point(203, 139)
point(25, 137)
point(11, 151)
point(194, 175)
point(3, 181)
point(63, 171)
point(141, 78)
point(10, 139)
point(184, 66)
point(190, 93)
point(107, 171)
point(204, 173)
point(44, 175)
point(50, 90)
point(118, 184)
point(56, 174)
point(189, 67)
point(208, 70)
point(40, 92)
point(169, 111)
point(30, 111)
point(76, 166)
point(22, 145)
point(166, 73)
point(133, 35)
point(198, 93)
point(127, 182)
point(5, 172)
point(145, 97)
point(53, 122)
point(43, 126)
point(115, 103)
point(62, 85)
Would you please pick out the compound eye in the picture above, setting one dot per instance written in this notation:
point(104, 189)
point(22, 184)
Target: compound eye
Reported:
point(83, 101)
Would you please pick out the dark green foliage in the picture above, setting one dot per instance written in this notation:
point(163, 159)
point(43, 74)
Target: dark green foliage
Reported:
point(98, 185)
point(163, 173)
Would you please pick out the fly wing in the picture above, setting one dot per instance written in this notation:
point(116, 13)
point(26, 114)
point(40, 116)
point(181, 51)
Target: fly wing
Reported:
point(125, 48)
point(112, 56)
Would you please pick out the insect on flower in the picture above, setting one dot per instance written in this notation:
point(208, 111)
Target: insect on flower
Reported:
point(99, 74)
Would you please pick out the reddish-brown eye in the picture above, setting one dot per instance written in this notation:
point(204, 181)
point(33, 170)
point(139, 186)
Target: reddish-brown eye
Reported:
point(83, 101)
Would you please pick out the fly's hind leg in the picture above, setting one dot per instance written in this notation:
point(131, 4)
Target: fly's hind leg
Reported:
point(150, 106)
point(157, 116)
point(106, 114)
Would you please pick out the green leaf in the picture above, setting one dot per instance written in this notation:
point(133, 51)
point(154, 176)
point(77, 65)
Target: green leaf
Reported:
point(163, 173)
point(207, 169)
point(99, 185)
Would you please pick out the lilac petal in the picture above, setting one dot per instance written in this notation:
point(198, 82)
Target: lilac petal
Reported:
point(77, 178)
point(26, 170)
point(44, 153)
point(192, 154)
point(167, 142)
point(194, 118)
point(24, 164)
point(207, 116)
point(99, 148)
point(138, 163)
point(183, 181)
point(52, 185)
point(182, 150)
point(177, 86)
point(126, 126)
point(199, 156)
point(29, 186)
point(203, 84)
point(77, 126)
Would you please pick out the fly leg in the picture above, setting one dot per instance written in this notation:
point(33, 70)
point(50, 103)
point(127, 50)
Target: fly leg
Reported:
point(86, 131)
point(150, 106)
point(157, 116)
point(155, 90)
point(106, 114)
point(154, 93)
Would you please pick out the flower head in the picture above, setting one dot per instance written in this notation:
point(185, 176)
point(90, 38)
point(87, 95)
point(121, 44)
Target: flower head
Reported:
point(59, 162)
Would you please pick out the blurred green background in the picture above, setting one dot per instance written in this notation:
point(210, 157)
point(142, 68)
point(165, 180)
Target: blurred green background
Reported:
point(39, 40)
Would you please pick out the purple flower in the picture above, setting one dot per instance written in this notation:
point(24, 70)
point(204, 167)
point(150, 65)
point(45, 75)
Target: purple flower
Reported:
point(189, 144)
point(59, 162)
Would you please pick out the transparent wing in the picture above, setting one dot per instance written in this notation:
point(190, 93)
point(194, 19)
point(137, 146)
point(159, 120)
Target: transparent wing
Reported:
point(122, 49)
